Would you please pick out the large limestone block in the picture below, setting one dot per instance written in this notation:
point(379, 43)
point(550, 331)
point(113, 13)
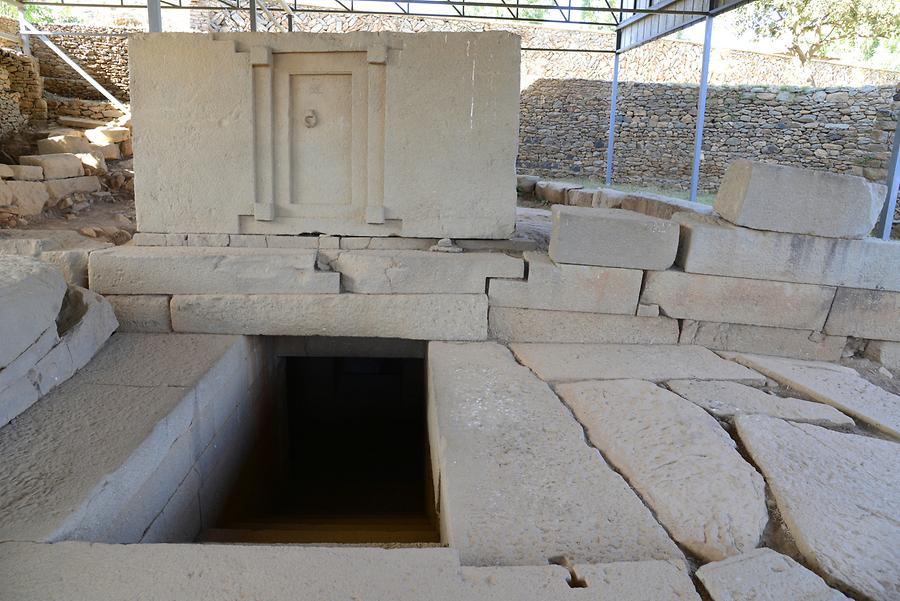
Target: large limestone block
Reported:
point(865, 314)
point(56, 166)
point(108, 150)
point(101, 135)
point(28, 198)
point(764, 575)
point(783, 342)
point(518, 482)
point(839, 497)
point(60, 144)
point(612, 238)
point(678, 458)
point(764, 196)
point(534, 325)
point(715, 247)
point(142, 312)
point(31, 294)
point(738, 300)
point(368, 169)
point(416, 316)
point(59, 188)
point(656, 363)
point(200, 270)
point(420, 272)
point(654, 205)
point(835, 385)
point(555, 193)
point(27, 172)
point(726, 400)
point(561, 287)
point(635, 581)
point(885, 352)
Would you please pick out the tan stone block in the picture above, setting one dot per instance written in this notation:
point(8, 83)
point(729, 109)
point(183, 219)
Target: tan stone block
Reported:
point(55, 166)
point(647, 203)
point(93, 162)
point(612, 238)
point(126, 147)
point(306, 242)
point(865, 314)
point(778, 198)
point(6, 171)
point(141, 313)
point(27, 172)
point(885, 352)
point(738, 300)
point(61, 144)
point(29, 198)
point(555, 193)
point(581, 197)
point(59, 188)
point(109, 150)
point(784, 342)
point(532, 325)
point(105, 134)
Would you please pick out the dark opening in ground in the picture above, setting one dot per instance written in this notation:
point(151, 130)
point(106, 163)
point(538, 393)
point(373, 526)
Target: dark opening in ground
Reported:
point(344, 459)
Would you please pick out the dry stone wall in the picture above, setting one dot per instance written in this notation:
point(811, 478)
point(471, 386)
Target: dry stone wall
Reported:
point(20, 90)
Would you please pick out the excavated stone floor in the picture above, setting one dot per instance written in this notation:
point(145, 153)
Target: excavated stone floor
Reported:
point(562, 471)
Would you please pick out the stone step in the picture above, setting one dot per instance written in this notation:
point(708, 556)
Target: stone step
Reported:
point(518, 484)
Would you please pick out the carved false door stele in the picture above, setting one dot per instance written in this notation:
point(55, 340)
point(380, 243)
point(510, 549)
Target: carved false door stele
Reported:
point(319, 137)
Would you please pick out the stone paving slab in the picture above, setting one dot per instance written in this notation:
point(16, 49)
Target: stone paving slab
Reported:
point(783, 342)
point(518, 483)
point(835, 385)
point(532, 325)
point(726, 400)
point(679, 459)
point(839, 497)
point(655, 363)
point(764, 575)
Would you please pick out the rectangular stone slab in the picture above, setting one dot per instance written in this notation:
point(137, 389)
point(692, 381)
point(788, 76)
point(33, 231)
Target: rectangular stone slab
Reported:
point(416, 316)
point(783, 342)
point(772, 197)
point(656, 363)
point(715, 247)
point(865, 314)
point(738, 300)
point(142, 312)
point(561, 287)
point(518, 483)
point(198, 270)
point(533, 325)
point(612, 238)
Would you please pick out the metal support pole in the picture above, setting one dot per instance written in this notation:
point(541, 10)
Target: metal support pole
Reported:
point(701, 108)
point(154, 16)
point(252, 15)
point(612, 120)
point(26, 41)
point(886, 221)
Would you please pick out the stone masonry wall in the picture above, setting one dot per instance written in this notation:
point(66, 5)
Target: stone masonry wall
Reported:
point(564, 127)
point(21, 90)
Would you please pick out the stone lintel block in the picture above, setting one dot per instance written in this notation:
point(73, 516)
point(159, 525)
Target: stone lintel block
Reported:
point(555, 193)
point(714, 246)
point(533, 325)
point(871, 314)
point(763, 340)
point(59, 188)
point(771, 197)
point(612, 238)
point(56, 165)
point(420, 272)
point(563, 287)
point(414, 316)
point(201, 270)
point(141, 312)
point(738, 300)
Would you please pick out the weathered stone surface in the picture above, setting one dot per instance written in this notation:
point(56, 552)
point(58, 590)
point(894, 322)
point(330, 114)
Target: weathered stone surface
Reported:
point(472, 132)
point(763, 340)
point(55, 166)
point(215, 240)
point(57, 188)
point(738, 300)
point(108, 150)
point(5, 171)
point(727, 400)
point(371, 243)
point(141, 313)
point(772, 197)
point(678, 458)
point(199, 270)
point(634, 581)
point(865, 314)
point(612, 238)
point(839, 497)
point(17, 391)
point(715, 247)
point(554, 193)
point(562, 287)
point(100, 135)
point(534, 325)
point(582, 197)
point(31, 294)
point(656, 363)
point(93, 163)
point(416, 316)
point(534, 225)
point(27, 172)
point(654, 205)
point(518, 483)
point(61, 144)
point(28, 198)
point(419, 272)
point(66, 249)
point(292, 241)
point(834, 385)
point(525, 183)
point(885, 352)
point(764, 575)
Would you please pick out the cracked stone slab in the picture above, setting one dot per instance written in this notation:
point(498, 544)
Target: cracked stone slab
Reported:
point(655, 363)
point(518, 482)
point(679, 459)
point(727, 400)
point(764, 575)
point(420, 272)
point(839, 497)
point(835, 385)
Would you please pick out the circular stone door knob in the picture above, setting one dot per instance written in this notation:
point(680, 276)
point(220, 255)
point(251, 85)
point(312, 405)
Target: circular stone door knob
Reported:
point(311, 119)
